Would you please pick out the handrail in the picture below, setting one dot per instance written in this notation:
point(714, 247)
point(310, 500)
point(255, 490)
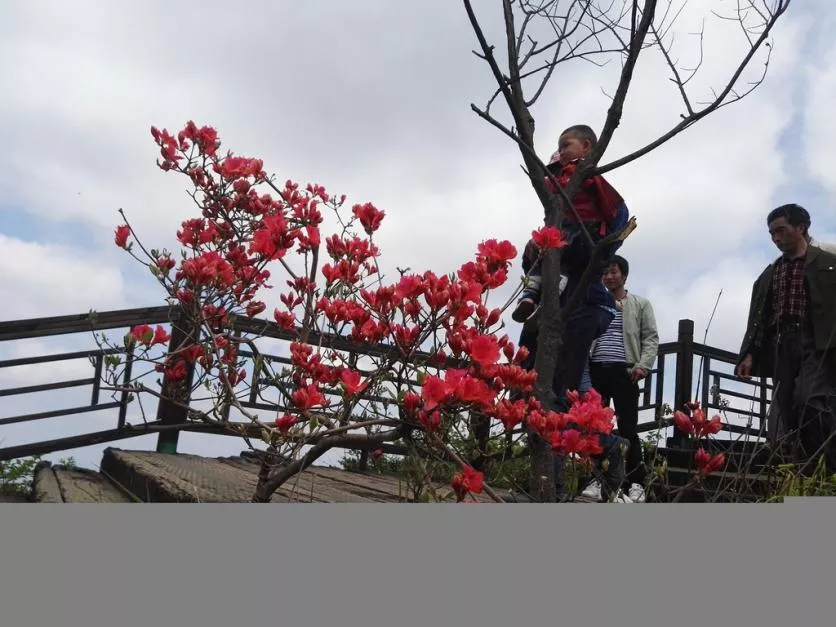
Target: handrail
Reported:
point(170, 421)
point(79, 323)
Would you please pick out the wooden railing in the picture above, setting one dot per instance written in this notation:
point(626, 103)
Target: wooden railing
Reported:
point(172, 418)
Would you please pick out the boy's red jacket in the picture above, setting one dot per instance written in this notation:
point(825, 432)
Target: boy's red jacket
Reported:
point(595, 201)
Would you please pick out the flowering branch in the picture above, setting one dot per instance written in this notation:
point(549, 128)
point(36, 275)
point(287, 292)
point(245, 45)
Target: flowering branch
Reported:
point(429, 343)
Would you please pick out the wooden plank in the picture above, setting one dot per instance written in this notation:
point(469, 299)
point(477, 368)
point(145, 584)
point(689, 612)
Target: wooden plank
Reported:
point(309, 485)
point(45, 487)
point(383, 484)
point(86, 486)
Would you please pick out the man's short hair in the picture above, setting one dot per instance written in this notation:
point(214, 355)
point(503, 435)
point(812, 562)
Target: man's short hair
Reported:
point(796, 215)
point(583, 131)
point(622, 264)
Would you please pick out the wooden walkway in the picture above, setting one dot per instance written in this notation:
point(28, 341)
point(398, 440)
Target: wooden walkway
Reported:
point(143, 476)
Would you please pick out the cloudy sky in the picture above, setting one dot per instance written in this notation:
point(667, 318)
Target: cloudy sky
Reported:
point(372, 99)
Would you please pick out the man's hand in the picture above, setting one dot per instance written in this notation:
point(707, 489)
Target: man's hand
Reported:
point(744, 368)
point(638, 373)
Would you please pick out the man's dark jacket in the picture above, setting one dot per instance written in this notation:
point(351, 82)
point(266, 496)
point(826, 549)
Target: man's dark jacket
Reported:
point(820, 279)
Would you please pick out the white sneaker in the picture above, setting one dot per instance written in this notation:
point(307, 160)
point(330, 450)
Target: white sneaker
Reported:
point(593, 491)
point(636, 493)
point(620, 497)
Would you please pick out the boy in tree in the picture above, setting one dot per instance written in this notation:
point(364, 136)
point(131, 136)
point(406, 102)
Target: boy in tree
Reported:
point(601, 211)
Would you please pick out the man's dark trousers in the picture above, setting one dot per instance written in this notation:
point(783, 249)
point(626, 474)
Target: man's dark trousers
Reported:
point(612, 381)
point(804, 394)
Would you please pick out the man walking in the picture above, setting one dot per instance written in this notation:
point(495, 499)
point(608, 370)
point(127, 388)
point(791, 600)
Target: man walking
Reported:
point(619, 359)
point(791, 337)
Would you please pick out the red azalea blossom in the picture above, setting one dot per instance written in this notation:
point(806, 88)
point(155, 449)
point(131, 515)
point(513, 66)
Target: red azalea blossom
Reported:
point(352, 383)
point(196, 232)
point(145, 335)
point(410, 403)
point(142, 333)
point(484, 350)
point(121, 236)
point(208, 269)
point(173, 369)
point(430, 421)
point(284, 423)
point(254, 308)
point(409, 287)
point(370, 217)
point(307, 397)
point(239, 167)
point(548, 237)
point(193, 353)
point(273, 240)
point(509, 413)
point(286, 320)
point(707, 463)
point(682, 422)
point(165, 264)
point(498, 253)
point(468, 480)
point(434, 391)
point(161, 336)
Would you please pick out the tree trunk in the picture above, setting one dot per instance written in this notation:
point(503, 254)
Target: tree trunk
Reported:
point(542, 487)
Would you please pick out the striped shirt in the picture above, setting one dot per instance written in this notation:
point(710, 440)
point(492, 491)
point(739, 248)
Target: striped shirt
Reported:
point(610, 347)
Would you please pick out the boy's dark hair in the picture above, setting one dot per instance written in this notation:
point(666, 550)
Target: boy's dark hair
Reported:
point(622, 264)
point(795, 214)
point(583, 132)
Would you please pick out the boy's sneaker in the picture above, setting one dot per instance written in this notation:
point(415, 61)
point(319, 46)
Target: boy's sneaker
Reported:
point(636, 493)
point(593, 491)
point(524, 310)
point(620, 497)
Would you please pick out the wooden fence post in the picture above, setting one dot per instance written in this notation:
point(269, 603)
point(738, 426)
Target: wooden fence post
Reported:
point(684, 373)
point(169, 409)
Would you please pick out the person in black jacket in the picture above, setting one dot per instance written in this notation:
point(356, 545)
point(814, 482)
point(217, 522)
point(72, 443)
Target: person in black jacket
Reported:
point(791, 337)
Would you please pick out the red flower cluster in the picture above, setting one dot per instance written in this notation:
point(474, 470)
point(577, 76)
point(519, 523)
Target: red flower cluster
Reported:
point(576, 431)
point(144, 335)
point(248, 224)
point(707, 463)
point(696, 424)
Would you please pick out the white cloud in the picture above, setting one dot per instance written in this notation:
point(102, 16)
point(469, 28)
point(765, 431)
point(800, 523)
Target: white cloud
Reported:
point(46, 280)
point(820, 132)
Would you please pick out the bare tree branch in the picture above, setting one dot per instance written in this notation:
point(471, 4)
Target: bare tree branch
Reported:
point(722, 97)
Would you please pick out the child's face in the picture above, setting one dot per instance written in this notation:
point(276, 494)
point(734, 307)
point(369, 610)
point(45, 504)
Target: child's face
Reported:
point(571, 147)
